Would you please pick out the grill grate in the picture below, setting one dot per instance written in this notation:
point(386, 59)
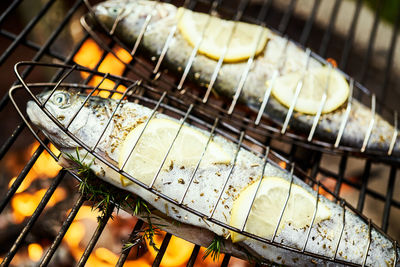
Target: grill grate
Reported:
point(314, 166)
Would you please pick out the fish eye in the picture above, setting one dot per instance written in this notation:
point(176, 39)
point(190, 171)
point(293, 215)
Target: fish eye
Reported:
point(61, 100)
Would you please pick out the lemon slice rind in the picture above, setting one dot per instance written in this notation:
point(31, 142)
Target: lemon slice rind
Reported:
point(154, 143)
point(247, 39)
point(314, 84)
point(268, 206)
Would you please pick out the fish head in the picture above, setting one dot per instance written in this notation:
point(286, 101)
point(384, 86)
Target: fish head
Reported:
point(67, 109)
point(133, 12)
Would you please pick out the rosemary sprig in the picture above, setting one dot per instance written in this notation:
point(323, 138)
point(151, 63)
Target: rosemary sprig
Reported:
point(100, 194)
point(214, 249)
point(152, 229)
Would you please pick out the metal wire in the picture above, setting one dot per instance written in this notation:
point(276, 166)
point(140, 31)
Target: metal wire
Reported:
point(321, 105)
point(186, 115)
point(299, 86)
point(361, 196)
point(239, 13)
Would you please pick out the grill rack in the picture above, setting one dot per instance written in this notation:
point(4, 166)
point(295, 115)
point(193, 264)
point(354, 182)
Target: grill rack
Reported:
point(357, 91)
point(269, 156)
point(47, 49)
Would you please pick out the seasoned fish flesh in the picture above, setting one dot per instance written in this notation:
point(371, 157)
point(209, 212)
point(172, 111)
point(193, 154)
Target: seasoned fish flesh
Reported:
point(92, 120)
point(132, 17)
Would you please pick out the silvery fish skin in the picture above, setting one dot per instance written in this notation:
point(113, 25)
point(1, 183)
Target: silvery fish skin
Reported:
point(202, 195)
point(133, 14)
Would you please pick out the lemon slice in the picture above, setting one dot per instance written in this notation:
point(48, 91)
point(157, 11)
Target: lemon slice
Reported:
point(154, 143)
point(315, 81)
point(268, 205)
point(245, 39)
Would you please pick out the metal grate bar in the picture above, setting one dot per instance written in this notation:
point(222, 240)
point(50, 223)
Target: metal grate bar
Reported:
point(389, 196)
point(30, 44)
point(225, 261)
point(286, 17)
point(193, 256)
point(43, 202)
point(8, 143)
point(327, 36)
point(132, 238)
point(43, 49)
point(161, 252)
point(60, 235)
point(102, 223)
point(52, 38)
point(342, 168)
point(350, 36)
point(371, 43)
point(364, 183)
point(25, 31)
point(315, 164)
point(389, 59)
point(368, 191)
point(6, 146)
point(14, 187)
point(9, 9)
point(307, 28)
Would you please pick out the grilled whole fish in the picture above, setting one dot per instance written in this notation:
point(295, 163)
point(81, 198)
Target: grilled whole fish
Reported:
point(132, 15)
point(91, 120)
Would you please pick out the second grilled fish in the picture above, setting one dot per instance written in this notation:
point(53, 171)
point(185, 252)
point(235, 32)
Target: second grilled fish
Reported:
point(133, 15)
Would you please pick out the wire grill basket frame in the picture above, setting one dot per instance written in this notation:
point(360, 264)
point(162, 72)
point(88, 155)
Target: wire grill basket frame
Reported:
point(48, 50)
point(270, 156)
point(357, 90)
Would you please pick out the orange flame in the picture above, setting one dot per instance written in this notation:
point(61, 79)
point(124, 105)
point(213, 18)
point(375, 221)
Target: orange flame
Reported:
point(35, 251)
point(332, 61)
point(90, 54)
point(24, 204)
point(177, 254)
point(38, 171)
point(282, 164)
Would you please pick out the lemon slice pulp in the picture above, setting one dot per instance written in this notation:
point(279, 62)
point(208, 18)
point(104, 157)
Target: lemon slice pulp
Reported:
point(314, 84)
point(246, 39)
point(153, 145)
point(268, 205)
